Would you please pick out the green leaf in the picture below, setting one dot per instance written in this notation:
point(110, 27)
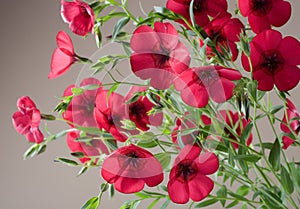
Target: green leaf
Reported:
point(165, 205)
point(111, 90)
point(92, 203)
point(41, 149)
point(276, 109)
point(252, 89)
point(77, 91)
point(120, 24)
point(232, 204)
point(274, 156)
point(31, 151)
point(164, 159)
point(128, 124)
point(243, 190)
point(134, 204)
point(250, 158)
point(77, 154)
point(65, 161)
point(111, 191)
point(222, 193)
point(286, 181)
point(153, 203)
point(265, 145)
point(206, 203)
point(191, 12)
point(246, 132)
point(82, 171)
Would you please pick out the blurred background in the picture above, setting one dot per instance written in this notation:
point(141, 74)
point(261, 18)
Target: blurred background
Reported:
point(28, 30)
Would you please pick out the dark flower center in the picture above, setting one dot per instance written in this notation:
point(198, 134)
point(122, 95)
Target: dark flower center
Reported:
point(199, 5)
point(161, 60)
point(271, 60)
point(134, 160)
point(206, 77)
point(260, 7)
point(186, 170)
point(137, 110)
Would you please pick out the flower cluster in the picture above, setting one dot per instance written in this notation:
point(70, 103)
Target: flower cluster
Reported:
point(193, 111)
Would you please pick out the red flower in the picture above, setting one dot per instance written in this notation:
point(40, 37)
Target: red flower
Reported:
point(79, 16)
point(138, 110)
point(27, 120)
point(264, 13)
point(109, 111)
point(289, 122)
point(234, 121)
point(63, 56)
point(274, 61)
point(188, 176)
point(129, 168)
point(224, 31)
point(81, 108)
point(158, 54)
point(202, 9)
point(90, 149)
point(196, 85)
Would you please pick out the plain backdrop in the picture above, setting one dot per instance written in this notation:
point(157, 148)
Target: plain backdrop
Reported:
point(27, 40)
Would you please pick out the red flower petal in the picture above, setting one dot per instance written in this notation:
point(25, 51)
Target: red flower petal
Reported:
point(26, 105)
point(280, 7)
point(208, 163)
point(64, 43)
point(258, 23)
point(128, 185)
point(268, 40)
point(290, 50)
point(35, 136)
point(290, 72)
point(195, 96)
point(200, 187)
point(60, 63)
point(21, 122)
point(168, 35)
point(244, 7)
point(178, 191)
point(69, 10)
point(221, 90)
point(189, 152)
point(265, 80)
point(81, 25)
point(287, 141)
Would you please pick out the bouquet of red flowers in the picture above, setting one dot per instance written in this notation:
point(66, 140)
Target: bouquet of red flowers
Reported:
point(170, 110)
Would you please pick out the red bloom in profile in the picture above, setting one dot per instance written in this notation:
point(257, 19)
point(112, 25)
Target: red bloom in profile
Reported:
point(63, 56)
point(235, 122)
point(158, 54)
point(183, 128)
point(129, 168)
point(202, 9)
point(290, 122)
point(79, 15)
point(27, 120)
point(262, 14)
point(138, 110)
point(188, 175)
point(90, 149)
point(197, 84)
point(224, 31)
point(81, 108)
point(274, 61)
point(109, 111)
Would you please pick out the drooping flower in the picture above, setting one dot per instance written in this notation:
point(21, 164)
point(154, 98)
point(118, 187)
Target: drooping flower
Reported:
point(158, 54)
point(138, 110)
point(188, 175)
point(274, 61)
point(224, 31)
point(235, 122)
point(81, 108)
point(27, 120)
point(79, 15)
point(197, 84)
point(63, 56)
point(201, 8)
point(290, 123)
point(90, 149)
point(129, 168)
point(109, 111)
point(264, 13)
point(183, 128)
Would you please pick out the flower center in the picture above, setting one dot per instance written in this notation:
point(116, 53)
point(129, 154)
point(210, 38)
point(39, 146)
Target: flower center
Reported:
point(134, 160)
point(260, 7)
point(206, 77)
point(186, 170)
point(137, 109)
point(199, 5)
point(272, 60)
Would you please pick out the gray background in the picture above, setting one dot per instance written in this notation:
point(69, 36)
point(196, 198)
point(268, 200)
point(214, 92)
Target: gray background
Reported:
point(28, 30)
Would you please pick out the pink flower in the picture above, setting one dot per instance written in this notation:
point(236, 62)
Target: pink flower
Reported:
point(290, 121)
point(202, 9)
point(264, 13)
point(274, 61)
point(224, 31)
point(197, 84)
point(81, 108)
point(63, 56)
point(129, 168)
point(188, 175)
point(235, 122)
point(158, 54)
point(90, 149)
point(79, 15)
point(27, 120)
point(109, 111)
point(138, 110)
